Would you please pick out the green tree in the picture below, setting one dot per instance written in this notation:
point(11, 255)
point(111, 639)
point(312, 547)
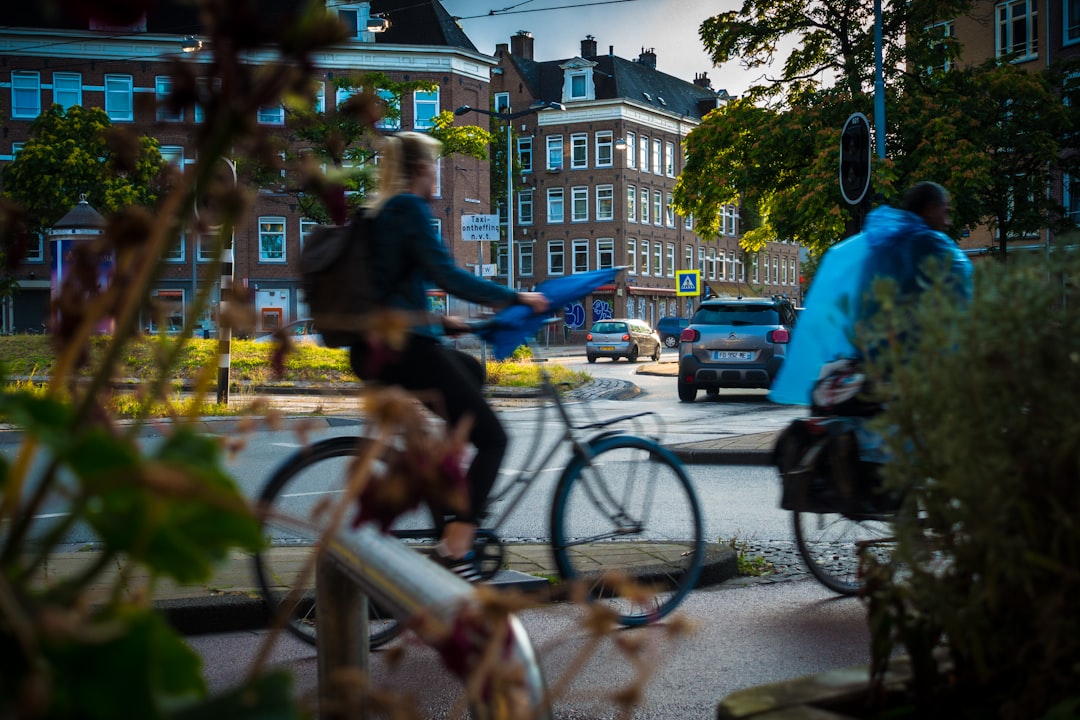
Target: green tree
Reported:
point(79, 152)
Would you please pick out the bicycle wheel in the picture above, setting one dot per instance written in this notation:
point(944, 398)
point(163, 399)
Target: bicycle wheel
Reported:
point(831, 543)
point(627, 508)
point(295, 507)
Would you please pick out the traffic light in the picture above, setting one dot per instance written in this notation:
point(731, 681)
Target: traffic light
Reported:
point(855, 159)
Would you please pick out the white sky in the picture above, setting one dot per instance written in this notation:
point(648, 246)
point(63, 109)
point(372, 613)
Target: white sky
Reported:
point(670, 27)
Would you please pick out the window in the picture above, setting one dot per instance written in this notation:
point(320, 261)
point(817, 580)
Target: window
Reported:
point(631, 146)
point(644, 257)
point(525, 207)
point(670, 251)
point(272, 115)
point(35, 249)
point(425, 108)
point(207, 247)
point(306, 226)
point(604, 144)
point(1071, 15)
point(525, 154)
point(710, 263)
point(525, 259)
point(579, 204)
point(728, 216)
point(1017, 29)
point(391, 120)
point(775, 269)
point(168, 309)
point(501, 255)
point(644, 205)
point(783, 271)
point(118, 98)
point(688, 257)
point(940, 35)
point(656, 157)
point(556, 258)
point(579, 86)
point(688, 222)
point(631, 203)
point(605, 202)
point(754, 264)
point(1071, 199)
point(25, 94)
point(658, 207)
point(579, 151)
point(272, 239)
point(722, 258)
point(701, 259)
point(319, 97)
point(175, 253)
point(173, 155)
point(67, 89)
point(581, 256)
point(355, 19)
point(631, 255)
point(554, 152)
point(643, 158)
point(669, 159)
point(502, 102)
point(162, 90)
point(605, 253)
point(658, 251)
point(555, 210)
point(669, 212)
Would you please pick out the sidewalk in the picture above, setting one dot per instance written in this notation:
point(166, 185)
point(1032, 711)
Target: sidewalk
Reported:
point(230, 600)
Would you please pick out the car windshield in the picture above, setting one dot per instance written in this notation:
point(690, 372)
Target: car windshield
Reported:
point(737, 315)
point(609, 327)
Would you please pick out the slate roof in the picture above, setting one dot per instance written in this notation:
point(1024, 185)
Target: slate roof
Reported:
point(619, 78)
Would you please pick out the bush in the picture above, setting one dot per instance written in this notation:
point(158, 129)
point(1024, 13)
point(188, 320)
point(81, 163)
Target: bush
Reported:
point(983, 415)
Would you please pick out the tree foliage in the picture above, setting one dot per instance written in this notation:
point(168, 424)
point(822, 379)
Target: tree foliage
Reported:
point(76, 152)
point(992, 133)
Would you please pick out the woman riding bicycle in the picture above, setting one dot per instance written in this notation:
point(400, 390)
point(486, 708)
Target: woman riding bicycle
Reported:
point(407, 257)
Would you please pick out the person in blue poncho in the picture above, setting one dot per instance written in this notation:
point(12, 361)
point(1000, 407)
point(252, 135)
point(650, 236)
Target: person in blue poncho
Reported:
point(894, 243)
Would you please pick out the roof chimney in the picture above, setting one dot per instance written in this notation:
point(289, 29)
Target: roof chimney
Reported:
point(588, 47)
point(648, 57)
point(521, 45)
point(703, 80)
point(501, 49)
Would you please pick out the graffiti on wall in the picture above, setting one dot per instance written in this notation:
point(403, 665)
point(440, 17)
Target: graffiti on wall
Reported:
point(575, 315)
point(601, 310)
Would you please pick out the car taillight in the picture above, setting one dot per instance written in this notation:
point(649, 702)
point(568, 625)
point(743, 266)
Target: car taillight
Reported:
point(689, 335)
point(588, 337)
point(779, 336)
point(626, 337)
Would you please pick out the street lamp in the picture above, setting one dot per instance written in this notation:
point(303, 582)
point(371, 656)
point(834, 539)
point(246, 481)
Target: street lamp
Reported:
point(509, 118)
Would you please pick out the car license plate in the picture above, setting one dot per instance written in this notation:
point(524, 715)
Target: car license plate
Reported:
point(732, 355)
point(607, 348)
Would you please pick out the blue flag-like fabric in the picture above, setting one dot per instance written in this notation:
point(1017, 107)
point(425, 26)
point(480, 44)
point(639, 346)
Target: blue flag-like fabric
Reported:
point(510, 328)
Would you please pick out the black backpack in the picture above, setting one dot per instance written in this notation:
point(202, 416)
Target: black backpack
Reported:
point(336, 279)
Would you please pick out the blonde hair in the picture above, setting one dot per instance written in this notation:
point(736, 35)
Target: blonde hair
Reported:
point(399, 156)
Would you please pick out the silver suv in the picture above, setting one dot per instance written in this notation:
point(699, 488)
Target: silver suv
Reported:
point(734, 343)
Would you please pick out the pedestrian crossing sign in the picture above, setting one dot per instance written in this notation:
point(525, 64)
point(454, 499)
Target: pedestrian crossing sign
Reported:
point(688, 282)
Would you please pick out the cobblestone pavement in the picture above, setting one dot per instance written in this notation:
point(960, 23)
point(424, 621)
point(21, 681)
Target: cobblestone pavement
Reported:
point(783, 561)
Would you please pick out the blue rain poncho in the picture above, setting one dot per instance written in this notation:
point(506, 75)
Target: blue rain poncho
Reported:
point(894, 244)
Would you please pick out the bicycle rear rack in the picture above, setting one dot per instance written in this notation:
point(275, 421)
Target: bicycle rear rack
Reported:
point(365, 565)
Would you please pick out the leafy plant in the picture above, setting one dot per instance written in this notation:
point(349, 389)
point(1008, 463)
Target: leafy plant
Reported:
point(984, 434)
point(747, 564)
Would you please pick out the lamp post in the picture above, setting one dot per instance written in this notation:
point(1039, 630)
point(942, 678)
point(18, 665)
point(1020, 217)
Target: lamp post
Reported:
point(509, 118)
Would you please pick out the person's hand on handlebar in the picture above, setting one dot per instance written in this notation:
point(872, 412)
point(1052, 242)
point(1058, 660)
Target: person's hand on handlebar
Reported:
point(537, 302)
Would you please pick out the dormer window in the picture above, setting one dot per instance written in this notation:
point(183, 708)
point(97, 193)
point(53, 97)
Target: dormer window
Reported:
point(578, 80)
point(354, 16)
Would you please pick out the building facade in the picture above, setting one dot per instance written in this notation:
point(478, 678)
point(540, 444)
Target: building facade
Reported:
point(594, 182)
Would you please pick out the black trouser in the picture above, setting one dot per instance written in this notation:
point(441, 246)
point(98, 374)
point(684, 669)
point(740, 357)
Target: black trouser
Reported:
point(457, 379)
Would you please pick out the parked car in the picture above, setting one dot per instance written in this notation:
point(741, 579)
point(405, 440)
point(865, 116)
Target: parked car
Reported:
point(301, 332)
point(734, 343)
point(670, 328)
point(622, 338)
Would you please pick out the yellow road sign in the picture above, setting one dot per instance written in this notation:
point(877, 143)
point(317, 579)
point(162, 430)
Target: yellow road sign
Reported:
point(687, 282)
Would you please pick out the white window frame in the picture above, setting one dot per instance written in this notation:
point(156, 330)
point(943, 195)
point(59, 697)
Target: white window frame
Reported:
point(525, 207)
point(173, 154)
point(205, 240)
point(701, 260)
point(657, 156)
point(119, 98)
point(721, 260)
point(526, 260)
point(556, 251)
point(755, 265)
point(631, 255)
point(429, 102)
point(579, 151)
point(163, 85)
point(605, 203)
point(631, 203)
point(643, 201)
point(1007, 15)
point(688, 257)
point(579, 254)
point(572, 77)
point(669, 269)
point(307, 225)
point(669, 211)
point(525, 154)
point(579, 203)
point(940, 32)
point(669, 159)
point(710, 263)
point(319, 94)
point(646, 254)
point(392, 101)
point(270, 226)
point(658, 207)
point(271, 115)
point(643, 153)
point(67, 84)
point(605, 148)
point(658, 258)
point(502, 102)
point(25, 94)
point(631, 148)
point(776, 268)
point(177, 253)
point(556, 201)
point(554, 157)
point(605, 253)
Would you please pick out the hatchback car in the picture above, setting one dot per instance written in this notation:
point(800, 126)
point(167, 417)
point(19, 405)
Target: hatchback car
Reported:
point(734, 343)
point(622, 338)
point(670, 328)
